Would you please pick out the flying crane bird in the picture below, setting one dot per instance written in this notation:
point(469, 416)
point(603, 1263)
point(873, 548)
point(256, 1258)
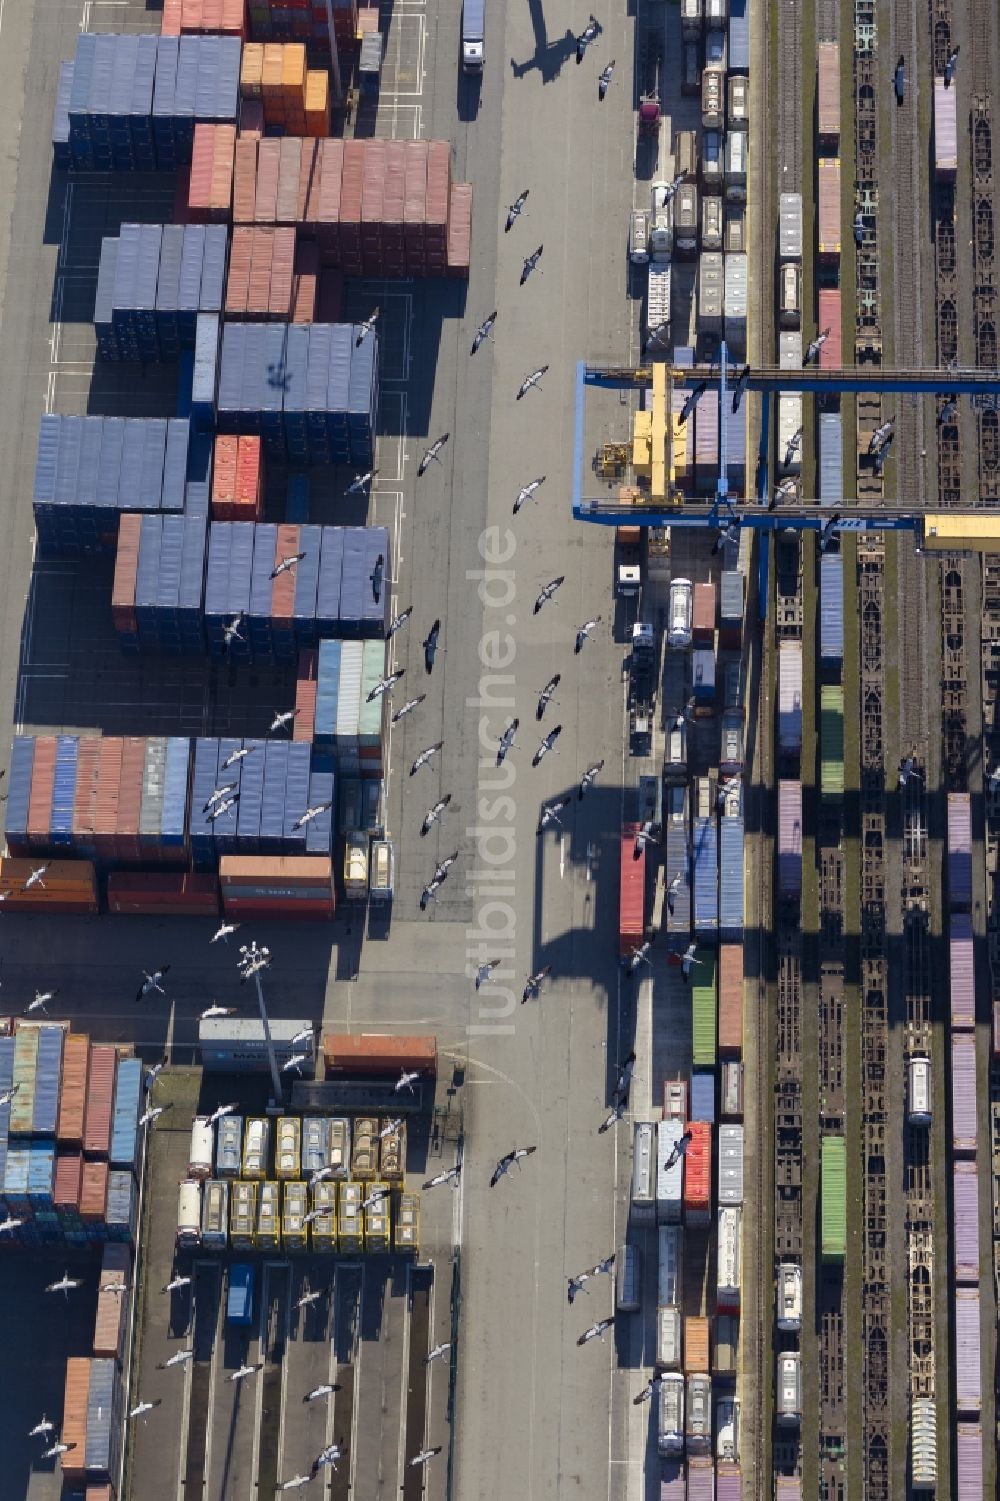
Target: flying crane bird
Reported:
point(376, 576)
point(430, 891)
point(441, 870)
point(399, 621)
point(433, 814)
point(859, 228)
point(365, 328)
point(295, 1062)
point(320, 1176)
point(314, 1214)
point(175, 1284)
point(224, 930)
point(604, 80)
point(548, 592)
point(304, 1034)
point(151, 982)
point(531, 381)
point(881, 435)
point(679, 1150)
point(384, 685)
point(530, 262)
point(142, 1408)
point(624, 1081)
point(438, 1352)
point(575, 1285)
point(65, 1285)
point(449, 1175)
point(590, 777)
point(882, 455)
point(374, 1198)
point(545, 697)
point(8, 1094)
point(286, 564)
point(390, 1128)
point(485, 971)
point(949, 67)
point(280, 721)
point(231, 630)
point(686, 716)
point(731, 784)
point(899, 79)
point(430, 646)
point(550, 813)
point(508, 1160)
point(787, 488)
point(150, 1116)
point(408, 707)
point(507, 741)
point(244, 1371)
point(424, 1457)
point(730, 533)
point(113, 1287)
point(812, 353)
point(740, 387)
point(584, 633)
point(222, 808)
point(597, 1331)
point(295, 1484)
point(691, 402)
point(547, 744)
point(642, 838)
point(42, 1429)
point(432, 453)
point(326, 1390)
point(425, 756)
point(220, 794)
point(484, 331)
point(672, 188)
point(238, 755)
point(9, 1224)
point(638, 956)
point(689, 962)
point(949, 411)
point(527, 492)
point(57, 1450)
point(316, 811)
point(42, 997)
point(793, 445)
point(829, 527)
point(652, 1385)
point(533, 984)
point(617, 1111)
point(361, 482)
point(672, 890)
point(514, 213)
point(35, 879)
point(220, 1111)
point(406, 1080)
point(587, 35)
point(907, 769)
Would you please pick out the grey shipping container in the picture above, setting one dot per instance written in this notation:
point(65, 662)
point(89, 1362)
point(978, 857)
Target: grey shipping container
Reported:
point(739, 36)
point(790, 697)
point(731, 878)
point(831, 601)
point(790, 355)
point(236, 1045)
point(710, 291)
point(104, 1404)
point(790, 226)
point(669, 1338)
point(730, 1165)
point(831, 451)
point(669, 1180)
point(677, 863)
point(789, 838)
point(959, 852)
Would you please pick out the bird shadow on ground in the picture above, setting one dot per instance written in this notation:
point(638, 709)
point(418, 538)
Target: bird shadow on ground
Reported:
point(548, 58)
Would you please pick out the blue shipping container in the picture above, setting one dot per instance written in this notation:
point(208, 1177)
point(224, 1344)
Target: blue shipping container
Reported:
point(48, 1078)
point(705, 856)
point(703, 1094)
point(731, 879)
point(831, 604)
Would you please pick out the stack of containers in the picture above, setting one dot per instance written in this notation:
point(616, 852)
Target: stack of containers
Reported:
point(277, 886)
point(67, 1184)
point(156, 602)
point(134, 100)
point(273, 787)
point(70, 886)
point(90, 469)
point(261, 273)
point(187, 17)
point(346, 725)
point(237, 479)
point(210, 190)
point(152, 894)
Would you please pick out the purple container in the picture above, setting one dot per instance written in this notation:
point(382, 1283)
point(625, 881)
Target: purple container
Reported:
point(963, 985)
point(969, 1451)
point(701, 1480)
point(965, 1201)
point(728, 1482)
point(963, 1094)
point(959, 852)
point(671, 1480)
point(790, 838)
point(968, 1393)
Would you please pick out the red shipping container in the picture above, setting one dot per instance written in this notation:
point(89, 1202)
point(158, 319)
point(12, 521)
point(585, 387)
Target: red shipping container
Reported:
point(330, 192)
point(130, 798)
point(147, 894)
point(415, 205)
point(632, 894)
point(969, 1461)
point(828, 93)
point(307, 202)
point(224, 477)
point(373, 194)
point(268, 160)
point(73, 1089)
point(283, 587)
point(305, 282)
point(43, 774)
point(351, 190)
point(282, 269)
point(731, 998)
point(438, 194)
point(305, 696)
point(379, 1053)
point(460, 230)
point(100, 1098)
point(67, 1181)
point(73, 1432)
point(223, 160)
point(108, 780)
point(88, 763)
point(830, 354)
point(249, 493)
point(170, 20)
point(289, 162)
point(964, 1121)
point(126, 567)
point(246, 909)
point(202, 159)
point(245, 181)
point(828, 209)
point(965, 1220)
point(703, 614)
point(94, 1191)
point(698, 1174)
point(261, 261)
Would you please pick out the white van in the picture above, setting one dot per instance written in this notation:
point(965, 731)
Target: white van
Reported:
point(919, 1092)
point(638, 237)
point(681, 604)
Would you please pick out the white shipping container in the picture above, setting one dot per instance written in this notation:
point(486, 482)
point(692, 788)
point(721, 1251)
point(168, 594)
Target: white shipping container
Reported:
point(658, 295)
point(670, 1417)
point(790, 696)
point(669, 1180)
point(189, 1213)
point(728, 1228)
point(789, 422)
point(669, 1337)
point(730, 1165)
point(790, 349)
point(349, 693)
point(711, 287)
point(790, 226)
point(736, 287)
point(669, 1276)
point(200, 1151)
point(644, 1172)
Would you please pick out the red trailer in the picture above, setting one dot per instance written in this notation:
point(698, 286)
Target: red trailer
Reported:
point(632, 893)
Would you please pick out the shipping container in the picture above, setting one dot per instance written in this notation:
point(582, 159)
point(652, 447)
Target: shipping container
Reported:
point(963, 1094)
point(965, 1211)
point(725, 1348)
point(959, 852)
point(830, 318)
point(632, 894)
point(828, 95)
point(188, 1213)
point(968, 1379)
point(215, 1215)
point(790, 697)
point(696, 1346)
point(969, 1461)
point(728, 1266)
point(703, 982)
point(789, 839)
point(739, 37)
point(731, 865)
point(945, 131)
point(100, 1099)
point(730, 1188)
point(109, 1325)
point(731, 1089)
point(698, 1174)
point(789, 1298)
point(831, 460)
point(703, 615)
point(669, 1338)
point(644, 1173)
point(705, 862)
point(730, 1038)
point(379, 1053)
point(790, 226)
point(670, 1416)
point(698, 1418)
point(240, 1294)
point(703, 1094)
point(828, 209)
point(670, 1265)
point(962, 972)
point(127, 1108)
point(669, 1171)
point(73, 1432)
point(833, 1195)
point(789, 432)
point(73, 1089)
point(831, 591)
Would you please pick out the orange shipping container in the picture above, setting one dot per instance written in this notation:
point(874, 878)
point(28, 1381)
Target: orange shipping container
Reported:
point(252, 70)
point(367, 19)
point(703, 614)
point(828, 93)
point(40, 800)
point(731, 998)
point(244, 181)
point(249, 493)
point(68, 1180)
point(261, 257)
point(100, 1096)
point(74, 1422)
point(109, 1321)
point(282, 271)
point(831, 353)
point(698, 1174)
point(94, 1191)
point(268, 159)
point(170, 20)
point(460, 230)
point(379, 1053)
point(317, 102)
point(289, 167)
point(632, 892)
point(828, 209)
point(126, 567)
point(696, 1350)
point(69, 884)
point(99, 1493)
point(305, 695)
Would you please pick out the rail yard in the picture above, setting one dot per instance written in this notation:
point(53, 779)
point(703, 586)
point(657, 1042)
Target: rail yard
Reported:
point(597, 638)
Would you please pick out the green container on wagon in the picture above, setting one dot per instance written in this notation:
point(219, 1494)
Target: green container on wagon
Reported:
point(833, 1191)
point(704, 983)
point(831, 740)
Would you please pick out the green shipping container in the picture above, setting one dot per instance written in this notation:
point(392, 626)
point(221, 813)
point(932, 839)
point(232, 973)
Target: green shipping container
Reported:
point(703, 1008)
point(831, 741)
point(833, 1189)
point(22, 1106)
point(373, 667)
